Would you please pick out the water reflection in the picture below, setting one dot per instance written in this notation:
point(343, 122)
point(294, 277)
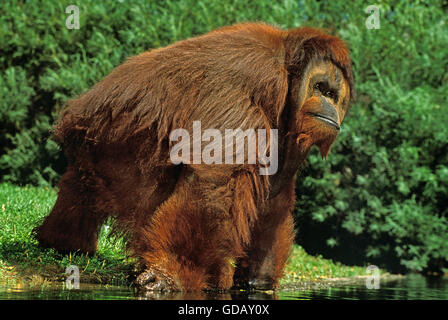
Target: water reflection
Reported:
point(98, 292)
point(411, 287)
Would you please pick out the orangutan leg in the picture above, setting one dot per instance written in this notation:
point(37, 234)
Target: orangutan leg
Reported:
point(190, 243)
point(73, 223)
point(271, 243)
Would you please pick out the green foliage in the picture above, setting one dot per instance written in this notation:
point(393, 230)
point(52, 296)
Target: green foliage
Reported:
point(382, 194)
point(22, 209)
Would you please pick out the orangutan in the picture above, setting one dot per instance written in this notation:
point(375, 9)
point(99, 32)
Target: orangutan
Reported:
point(196, 224)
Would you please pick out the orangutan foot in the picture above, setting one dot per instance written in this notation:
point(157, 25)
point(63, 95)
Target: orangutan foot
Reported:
point(152, 280)
point(261, 284)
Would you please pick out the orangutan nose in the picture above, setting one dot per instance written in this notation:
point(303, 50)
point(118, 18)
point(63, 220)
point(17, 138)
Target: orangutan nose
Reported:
point(327, 114)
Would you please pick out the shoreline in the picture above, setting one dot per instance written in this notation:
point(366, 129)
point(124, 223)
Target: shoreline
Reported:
point(11, 278)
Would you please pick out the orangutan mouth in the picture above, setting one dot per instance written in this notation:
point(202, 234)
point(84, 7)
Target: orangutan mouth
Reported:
point(326, 119)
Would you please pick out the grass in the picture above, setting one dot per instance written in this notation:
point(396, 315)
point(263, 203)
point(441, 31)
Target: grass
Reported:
point(303, 267)
point(23, 208)
point(22, 261)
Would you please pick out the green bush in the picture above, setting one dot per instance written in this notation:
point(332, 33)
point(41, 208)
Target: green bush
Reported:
point(381, 196)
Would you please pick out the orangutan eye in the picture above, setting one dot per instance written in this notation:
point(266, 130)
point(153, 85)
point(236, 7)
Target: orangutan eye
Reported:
point(319, 86)
point(331, 94)
point(324, 89)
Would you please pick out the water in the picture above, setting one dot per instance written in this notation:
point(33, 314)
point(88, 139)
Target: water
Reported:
point(412, 287)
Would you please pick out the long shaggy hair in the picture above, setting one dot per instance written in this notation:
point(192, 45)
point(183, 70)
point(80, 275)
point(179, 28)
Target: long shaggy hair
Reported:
point(194, 226)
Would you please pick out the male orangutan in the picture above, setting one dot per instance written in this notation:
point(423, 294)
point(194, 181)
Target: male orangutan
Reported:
point(196, 225)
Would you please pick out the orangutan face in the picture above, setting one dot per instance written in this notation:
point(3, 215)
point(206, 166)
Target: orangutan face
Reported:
point(322, 98)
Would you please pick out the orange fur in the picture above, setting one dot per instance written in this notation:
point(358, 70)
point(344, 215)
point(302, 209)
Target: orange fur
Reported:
point(190, 224)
